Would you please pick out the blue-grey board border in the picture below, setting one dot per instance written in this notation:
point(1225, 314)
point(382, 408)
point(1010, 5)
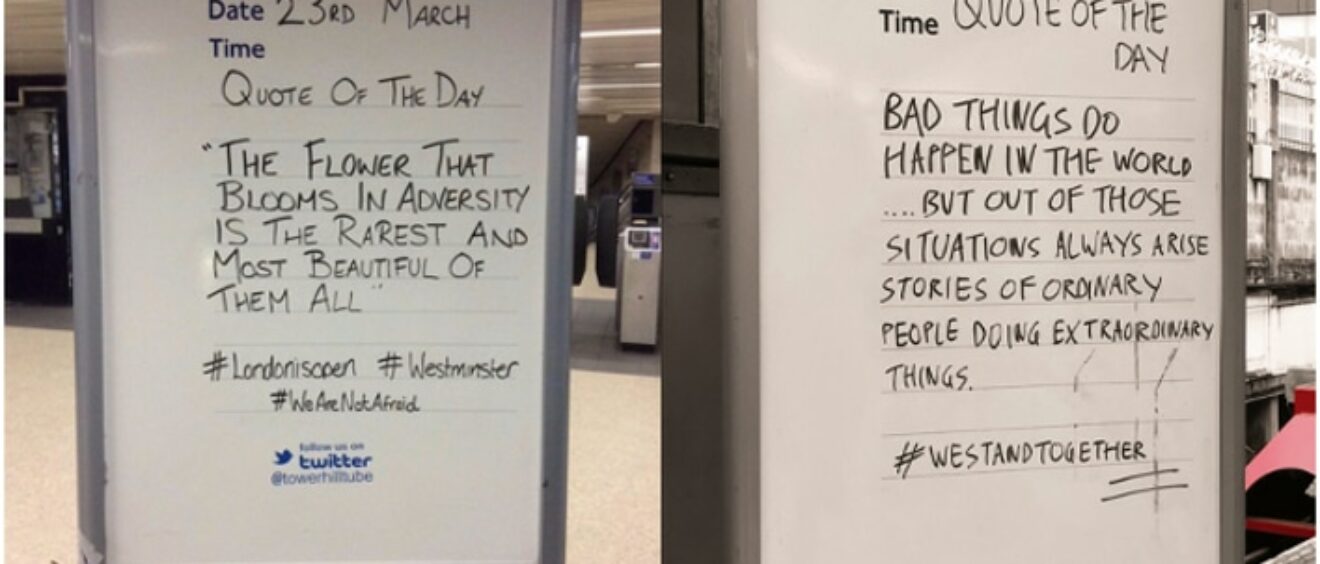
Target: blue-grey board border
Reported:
point(85, 196)
point(88, 334)
point(559, 277)
point(1232, 337)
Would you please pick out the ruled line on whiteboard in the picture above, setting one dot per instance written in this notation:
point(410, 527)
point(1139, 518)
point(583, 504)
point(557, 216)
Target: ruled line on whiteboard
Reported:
point(374, 280)
point(340, 413)
point(322, 246)
point(1028, 220)
point(471, 410)
point(366, 178)
point(371, 344)
point(491, 106)
point(441, 311)
point(355, 141)
point(1039, 138)
point(1030, 386)
point(1037, 347)
point(1039, 304)
point(383, 312)
point(1051, 95)
point(1033, 469)
point(362, 211)
point(1039, 179)
point(1034, 427)
point(1040, 261)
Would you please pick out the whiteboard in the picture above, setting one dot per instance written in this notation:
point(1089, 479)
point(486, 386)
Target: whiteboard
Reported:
point(325, 240)
point(989, 319)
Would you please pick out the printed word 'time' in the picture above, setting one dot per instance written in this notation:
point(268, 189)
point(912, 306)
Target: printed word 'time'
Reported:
point(893, 21)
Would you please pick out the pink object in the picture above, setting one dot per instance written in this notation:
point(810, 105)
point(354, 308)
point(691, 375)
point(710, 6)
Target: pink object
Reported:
point(1294, 446)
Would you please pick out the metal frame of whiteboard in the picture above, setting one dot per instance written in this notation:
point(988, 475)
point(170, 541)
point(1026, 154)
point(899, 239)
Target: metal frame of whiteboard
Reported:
point(740, 175)
point(85, 191)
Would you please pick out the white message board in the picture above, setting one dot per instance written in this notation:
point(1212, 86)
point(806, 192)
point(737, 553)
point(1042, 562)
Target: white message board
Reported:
point(990, 270)
point(324, 246)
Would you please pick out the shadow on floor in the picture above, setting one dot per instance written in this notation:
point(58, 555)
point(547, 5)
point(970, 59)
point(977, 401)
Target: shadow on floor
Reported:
point(596, 344)
point(59, 318)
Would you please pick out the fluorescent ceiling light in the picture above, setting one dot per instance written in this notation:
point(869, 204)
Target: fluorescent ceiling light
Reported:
point(633, 32)
point(646, 65)
point(619, 86)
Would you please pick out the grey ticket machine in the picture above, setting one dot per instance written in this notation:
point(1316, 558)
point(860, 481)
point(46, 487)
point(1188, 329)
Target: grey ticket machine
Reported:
point(639, 263)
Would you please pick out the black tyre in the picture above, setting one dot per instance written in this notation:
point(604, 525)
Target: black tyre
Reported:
point(607, 235)
point(580, 234)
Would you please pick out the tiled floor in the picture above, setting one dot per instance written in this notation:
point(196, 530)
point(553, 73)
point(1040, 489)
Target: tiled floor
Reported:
point(614, 440)
point(614, 444)
point(40, 478)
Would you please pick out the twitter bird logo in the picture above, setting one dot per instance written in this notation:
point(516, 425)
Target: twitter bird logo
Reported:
point(283, 457)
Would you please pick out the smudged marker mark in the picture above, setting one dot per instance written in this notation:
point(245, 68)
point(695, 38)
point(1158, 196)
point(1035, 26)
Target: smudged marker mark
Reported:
point(1147, 474)
point(1142, 491)
point(1136, 353)
point(1078, 375)
point(1172, 355)
point(1167, 363)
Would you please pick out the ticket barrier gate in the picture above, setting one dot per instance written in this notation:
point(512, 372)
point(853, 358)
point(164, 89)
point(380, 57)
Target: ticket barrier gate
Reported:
point(638, 304)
